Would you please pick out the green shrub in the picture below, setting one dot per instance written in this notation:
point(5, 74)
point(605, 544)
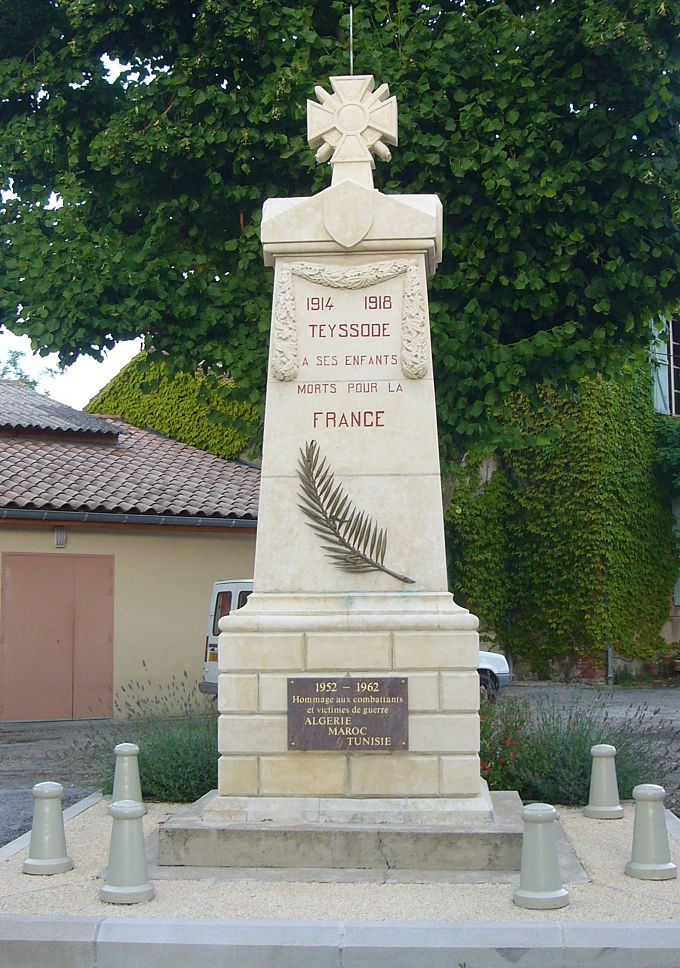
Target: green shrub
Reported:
point(542, 749)
point(177, 737)
point(625, 677)
point(502, 727)
point(177, 757)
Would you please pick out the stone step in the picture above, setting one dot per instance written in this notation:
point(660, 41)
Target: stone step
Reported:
point(186, 839)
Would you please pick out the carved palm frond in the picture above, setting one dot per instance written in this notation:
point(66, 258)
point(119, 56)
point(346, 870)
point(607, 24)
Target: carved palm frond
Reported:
point(352, 540)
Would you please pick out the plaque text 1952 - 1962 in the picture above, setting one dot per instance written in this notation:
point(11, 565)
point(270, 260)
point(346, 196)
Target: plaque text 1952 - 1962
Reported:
point(348, 713)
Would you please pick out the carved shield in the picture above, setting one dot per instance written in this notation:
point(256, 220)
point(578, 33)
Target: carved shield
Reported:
point(348, 212)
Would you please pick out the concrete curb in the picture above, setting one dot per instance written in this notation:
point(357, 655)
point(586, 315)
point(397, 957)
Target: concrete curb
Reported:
point(14, 846)
point(137, 942)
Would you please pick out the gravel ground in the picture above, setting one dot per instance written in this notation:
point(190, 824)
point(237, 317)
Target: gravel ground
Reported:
point(16, 809)
point(603, 848)
point(33, 752)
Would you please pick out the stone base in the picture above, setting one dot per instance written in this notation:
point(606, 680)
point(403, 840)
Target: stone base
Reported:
point(367, 810)
point(476, 842)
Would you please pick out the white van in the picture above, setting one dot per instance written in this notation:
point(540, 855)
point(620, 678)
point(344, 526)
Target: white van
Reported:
point(227, 596)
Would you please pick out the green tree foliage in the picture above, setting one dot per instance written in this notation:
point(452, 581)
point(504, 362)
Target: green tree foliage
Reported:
point(187, 406)
point(477, 532)
point(569, 547)
point(550, 131)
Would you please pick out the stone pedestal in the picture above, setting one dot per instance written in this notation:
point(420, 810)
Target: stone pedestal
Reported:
point(365, 639)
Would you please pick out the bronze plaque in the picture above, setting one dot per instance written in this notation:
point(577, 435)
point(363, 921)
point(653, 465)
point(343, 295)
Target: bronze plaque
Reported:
point(348, 713)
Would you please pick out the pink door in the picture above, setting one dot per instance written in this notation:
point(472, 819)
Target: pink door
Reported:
point(56, 637)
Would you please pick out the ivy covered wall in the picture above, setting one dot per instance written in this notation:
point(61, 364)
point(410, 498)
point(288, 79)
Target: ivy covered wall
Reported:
point(569, 545)
point(189, 406)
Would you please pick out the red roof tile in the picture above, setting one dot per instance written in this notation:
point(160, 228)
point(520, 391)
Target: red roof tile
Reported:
point(139, 472)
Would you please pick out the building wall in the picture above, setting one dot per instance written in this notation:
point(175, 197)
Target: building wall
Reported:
point(162, 584)
point(660, 353)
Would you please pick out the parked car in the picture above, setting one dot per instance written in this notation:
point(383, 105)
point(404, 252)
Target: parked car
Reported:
point(227, 596)
point(494, 675)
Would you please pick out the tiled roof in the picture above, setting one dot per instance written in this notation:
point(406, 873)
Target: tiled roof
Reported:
point(23, 409)
point(137, 472)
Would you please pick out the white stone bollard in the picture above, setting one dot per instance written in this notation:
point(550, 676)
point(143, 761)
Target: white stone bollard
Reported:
point(651, 857)
point(126, 783)
point(540, 880)
point(127, 879)
point(47, 852)
point(603, 802)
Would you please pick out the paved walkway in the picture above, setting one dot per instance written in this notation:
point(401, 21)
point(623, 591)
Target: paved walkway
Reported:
point(599, 889)
point(612, 921)
point(620, 701)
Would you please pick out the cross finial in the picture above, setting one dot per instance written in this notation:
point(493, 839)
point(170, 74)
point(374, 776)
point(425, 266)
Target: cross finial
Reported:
point(351, 125)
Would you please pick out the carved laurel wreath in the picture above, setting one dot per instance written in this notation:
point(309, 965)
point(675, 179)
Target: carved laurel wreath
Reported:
point(285, 363)
point(354, 542)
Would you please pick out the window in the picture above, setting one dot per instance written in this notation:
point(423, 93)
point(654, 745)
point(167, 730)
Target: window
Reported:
point(222, 608)
point(665, 356)
point(674, 365)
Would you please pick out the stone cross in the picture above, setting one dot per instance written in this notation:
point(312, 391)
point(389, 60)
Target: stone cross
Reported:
point(351, 125)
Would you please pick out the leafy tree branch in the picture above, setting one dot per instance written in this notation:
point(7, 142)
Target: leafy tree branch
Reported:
point(550, 132)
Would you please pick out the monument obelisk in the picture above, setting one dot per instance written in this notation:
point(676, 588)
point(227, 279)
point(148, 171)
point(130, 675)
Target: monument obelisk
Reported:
point(348, 689)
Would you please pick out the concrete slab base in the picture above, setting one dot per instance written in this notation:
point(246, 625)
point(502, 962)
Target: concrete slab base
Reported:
point(189, 839)
point(572, 870)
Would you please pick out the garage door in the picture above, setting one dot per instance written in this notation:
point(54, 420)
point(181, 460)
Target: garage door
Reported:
point(56, 637)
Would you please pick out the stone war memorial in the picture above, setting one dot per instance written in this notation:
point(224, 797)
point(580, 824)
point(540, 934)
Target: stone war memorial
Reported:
point(348, 687)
